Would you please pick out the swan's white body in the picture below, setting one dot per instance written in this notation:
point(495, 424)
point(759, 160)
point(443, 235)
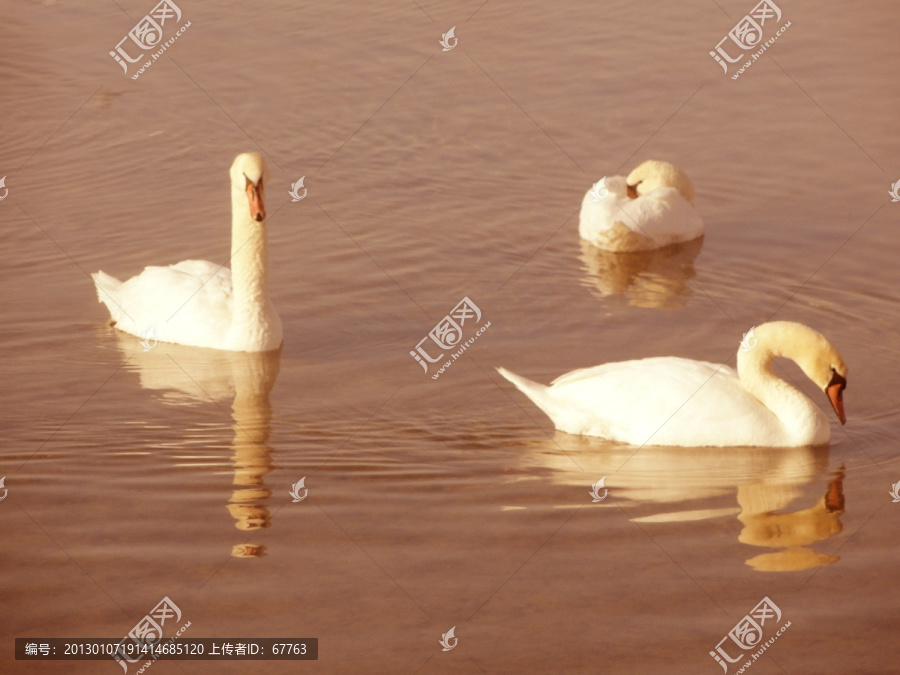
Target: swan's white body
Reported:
point(680, 402)
point(661, 214)
point(200, 303)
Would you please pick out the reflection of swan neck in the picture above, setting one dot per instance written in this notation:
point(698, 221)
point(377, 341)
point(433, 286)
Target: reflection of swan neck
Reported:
point(251, 428)
point(254, 375)
point(252, 414)
point(251, 457)
point(793, 532)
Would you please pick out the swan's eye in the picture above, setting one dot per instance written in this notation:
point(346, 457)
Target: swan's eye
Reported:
point(838, 379)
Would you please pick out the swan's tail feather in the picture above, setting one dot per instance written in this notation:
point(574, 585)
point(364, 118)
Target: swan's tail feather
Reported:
point(107, 287)
point(105, 284)
point(538, 393)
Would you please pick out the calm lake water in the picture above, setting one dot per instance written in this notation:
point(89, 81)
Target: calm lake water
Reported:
point(433, 176)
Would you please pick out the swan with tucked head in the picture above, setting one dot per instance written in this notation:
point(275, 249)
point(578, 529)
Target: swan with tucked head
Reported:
point(200, 303)
point(681, 402)
point(652, 207)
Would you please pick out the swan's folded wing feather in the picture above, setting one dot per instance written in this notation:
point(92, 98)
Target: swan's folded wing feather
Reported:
point(664, 216)
point(191, 298)
point(202, 269)
point(658, 218)
point(662, 401)
point(598, 216)
point(587, 373)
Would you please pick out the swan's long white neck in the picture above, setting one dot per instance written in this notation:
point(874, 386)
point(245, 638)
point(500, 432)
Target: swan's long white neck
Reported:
point(249, 275)
point(801, 419)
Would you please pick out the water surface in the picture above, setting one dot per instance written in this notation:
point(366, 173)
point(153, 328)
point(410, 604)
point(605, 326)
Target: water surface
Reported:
point(434, 176)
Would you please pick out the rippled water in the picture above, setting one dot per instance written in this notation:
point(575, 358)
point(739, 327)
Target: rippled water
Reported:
point(434, 176)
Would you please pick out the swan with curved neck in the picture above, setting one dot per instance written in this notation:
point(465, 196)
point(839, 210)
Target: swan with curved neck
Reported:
point(652, 207)
point(681, 402)
point(200, 303)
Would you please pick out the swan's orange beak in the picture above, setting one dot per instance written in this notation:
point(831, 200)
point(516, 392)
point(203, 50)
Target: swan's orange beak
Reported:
point(254, 196)
point(632, 191)
point(835, 392)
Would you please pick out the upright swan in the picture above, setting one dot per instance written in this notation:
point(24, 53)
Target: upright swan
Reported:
point(652, 207)
point(675, 401)
point(200, 303)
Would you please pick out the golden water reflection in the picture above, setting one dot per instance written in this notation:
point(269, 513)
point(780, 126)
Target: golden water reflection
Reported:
point(653, 279)
point(189, 375)
point(785, 499)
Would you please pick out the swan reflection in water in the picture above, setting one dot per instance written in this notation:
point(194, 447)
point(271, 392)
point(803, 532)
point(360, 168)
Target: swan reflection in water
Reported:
point(652, 279)
point(188, 375)
point(785, 499)
point(793, 532)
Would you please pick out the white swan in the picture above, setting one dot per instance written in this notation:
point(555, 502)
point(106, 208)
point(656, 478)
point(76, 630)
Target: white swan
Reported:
point(200, 303)
point(676, 401)
point(652, 207)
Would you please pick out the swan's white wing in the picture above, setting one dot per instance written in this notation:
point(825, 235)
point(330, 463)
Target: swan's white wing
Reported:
point(665, 216)
point(598, 215)
point(662, 401)
point(188, 303)
point(619, 223)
